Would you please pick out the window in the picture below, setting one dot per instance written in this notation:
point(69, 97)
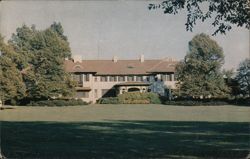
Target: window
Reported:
point(104, 78)
point(86, 77)
point(85, 94)
point(139, 78)
point(168, 77)
point(148, 79)
point(96, 93)
point(130, 78)
point(96, 79)
point(121, 78)
point(82, 94)
point(78, 94)
point(163, 77)
point(171, 77)
point(112, 78)
point(175, 77)
point(151, 78)
point(78, 78)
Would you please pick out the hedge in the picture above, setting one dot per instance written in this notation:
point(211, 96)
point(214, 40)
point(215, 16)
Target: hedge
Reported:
point(109, 100)
point(132, 98)
point(209, 102)
point(240, 101)
point(196, 103)
point(58, 102)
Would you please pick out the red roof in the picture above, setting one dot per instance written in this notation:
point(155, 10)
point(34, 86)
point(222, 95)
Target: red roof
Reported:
point(121, 67)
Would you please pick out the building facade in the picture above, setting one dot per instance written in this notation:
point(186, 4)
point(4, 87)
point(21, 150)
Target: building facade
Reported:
point(106, 78)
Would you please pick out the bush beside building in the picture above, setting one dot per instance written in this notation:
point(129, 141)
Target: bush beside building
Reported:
point(58, 102)
point(132, 98)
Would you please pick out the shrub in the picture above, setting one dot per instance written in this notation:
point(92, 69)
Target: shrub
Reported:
point(58, 102)
point(196, 103)
point(154, 98)
point(108, 100)
point(132, 98)
point(208, 102)
point(240, 101)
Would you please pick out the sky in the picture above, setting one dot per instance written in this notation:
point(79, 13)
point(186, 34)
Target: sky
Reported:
point(100, 29)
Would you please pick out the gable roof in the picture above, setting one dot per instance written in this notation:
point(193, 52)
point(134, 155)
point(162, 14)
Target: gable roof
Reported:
point(121, 67)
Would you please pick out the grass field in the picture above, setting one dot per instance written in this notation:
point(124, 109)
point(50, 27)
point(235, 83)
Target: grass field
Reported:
point(126, 131)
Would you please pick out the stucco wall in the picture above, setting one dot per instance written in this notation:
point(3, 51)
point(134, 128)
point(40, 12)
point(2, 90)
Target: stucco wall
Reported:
point(100, 85)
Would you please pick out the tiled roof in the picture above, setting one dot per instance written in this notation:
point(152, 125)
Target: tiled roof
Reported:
point(121, 67)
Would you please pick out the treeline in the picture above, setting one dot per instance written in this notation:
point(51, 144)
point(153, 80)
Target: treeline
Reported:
point(201, 80)
point(32, 69)
point(32, 65)
point(200, 74)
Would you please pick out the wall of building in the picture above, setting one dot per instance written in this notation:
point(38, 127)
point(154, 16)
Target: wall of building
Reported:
point(97, 86)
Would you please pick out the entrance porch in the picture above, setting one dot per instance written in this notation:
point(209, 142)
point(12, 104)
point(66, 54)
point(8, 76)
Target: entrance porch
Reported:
point(132, 87)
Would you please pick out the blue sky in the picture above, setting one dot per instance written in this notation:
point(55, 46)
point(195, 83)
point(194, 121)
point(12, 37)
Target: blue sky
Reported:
point(102, 29)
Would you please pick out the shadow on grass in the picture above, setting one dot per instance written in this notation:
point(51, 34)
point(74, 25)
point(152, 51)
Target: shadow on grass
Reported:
point(125, 139)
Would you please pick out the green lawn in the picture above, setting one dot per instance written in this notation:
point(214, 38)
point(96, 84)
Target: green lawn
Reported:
point(126, 131)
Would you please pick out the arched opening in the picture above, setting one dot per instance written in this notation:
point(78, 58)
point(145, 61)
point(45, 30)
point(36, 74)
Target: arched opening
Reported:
point(77, 68)
point(134, 89)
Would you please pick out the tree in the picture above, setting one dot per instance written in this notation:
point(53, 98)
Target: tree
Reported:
point(22, 44)
point(231, 82)
point(43, 55)
point(243, 76)
point(12, 87)
point(199, 74)
point(228, 74)
point(57, 27)
point(223, 12)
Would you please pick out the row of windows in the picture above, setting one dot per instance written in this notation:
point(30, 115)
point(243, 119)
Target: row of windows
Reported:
point(119, 78)
point(169, 77)
point(80, 78)
point(104, 93)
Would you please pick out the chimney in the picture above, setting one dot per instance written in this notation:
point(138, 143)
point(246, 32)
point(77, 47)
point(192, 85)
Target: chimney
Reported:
point(142, 58)
point(77, 58)
point(115, 59)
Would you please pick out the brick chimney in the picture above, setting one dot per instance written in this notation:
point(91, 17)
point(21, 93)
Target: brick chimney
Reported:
point(142, 58)
point(77, 58)
point(115, 59)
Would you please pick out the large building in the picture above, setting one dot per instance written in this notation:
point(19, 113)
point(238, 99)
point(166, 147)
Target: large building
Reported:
point(106, 78)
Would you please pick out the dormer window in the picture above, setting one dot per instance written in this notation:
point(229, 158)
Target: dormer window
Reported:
point(77, 68)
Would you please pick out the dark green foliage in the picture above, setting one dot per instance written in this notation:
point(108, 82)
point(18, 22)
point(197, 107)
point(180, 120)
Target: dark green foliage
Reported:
point(132, 98)
point(240, 101)
point(208, 102)
point(12, 87)
point(42, 54)
point(225, 13)
point(196, 102)
point(57, 27)
point(243, 77)
point(109, 100)
point(21, 42)
point(58, 102)
point(199, 74)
